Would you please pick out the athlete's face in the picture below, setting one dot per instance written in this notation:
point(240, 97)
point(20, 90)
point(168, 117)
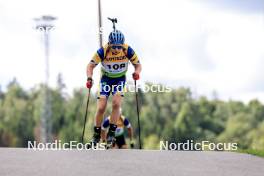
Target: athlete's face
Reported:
point(116, 49)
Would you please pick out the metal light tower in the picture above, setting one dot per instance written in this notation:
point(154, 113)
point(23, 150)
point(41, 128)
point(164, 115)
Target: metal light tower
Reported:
point(100, 24)
point(45, 25)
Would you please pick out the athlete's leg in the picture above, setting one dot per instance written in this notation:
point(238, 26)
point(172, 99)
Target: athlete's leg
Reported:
point(115, 147)
point(117, 92)
point(121, 142)
point(124, 147)
point(101, 106)
point(116, 104)
point(102, 97)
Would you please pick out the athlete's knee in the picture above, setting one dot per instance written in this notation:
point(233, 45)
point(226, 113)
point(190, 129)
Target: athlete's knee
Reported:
point(101, 109)
point(124, 147)
point(116, 103)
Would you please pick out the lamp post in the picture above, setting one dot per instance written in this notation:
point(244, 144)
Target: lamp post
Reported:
point(44, 24)
point(100, 24)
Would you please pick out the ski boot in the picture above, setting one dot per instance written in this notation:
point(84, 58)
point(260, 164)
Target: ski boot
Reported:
point(110, 142)
point(93, 144)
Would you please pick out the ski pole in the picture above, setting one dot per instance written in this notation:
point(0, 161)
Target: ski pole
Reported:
point(85, 116)
point(138, 115)
point(80, 105)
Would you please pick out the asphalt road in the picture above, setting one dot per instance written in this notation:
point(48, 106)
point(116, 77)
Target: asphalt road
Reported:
point(24, 162)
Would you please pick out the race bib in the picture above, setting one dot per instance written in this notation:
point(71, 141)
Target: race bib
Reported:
point(115, 67)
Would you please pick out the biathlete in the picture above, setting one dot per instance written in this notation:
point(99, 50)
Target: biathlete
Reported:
point(114, 58)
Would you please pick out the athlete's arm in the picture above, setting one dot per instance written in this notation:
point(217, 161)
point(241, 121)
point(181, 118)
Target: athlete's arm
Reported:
point(129, 128)
point(132, 56)
point(138, 68)
point(94, 62)
point(89, 70)
point(130, 133)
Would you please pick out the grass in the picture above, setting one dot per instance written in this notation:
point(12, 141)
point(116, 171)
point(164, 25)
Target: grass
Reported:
point(259, 153)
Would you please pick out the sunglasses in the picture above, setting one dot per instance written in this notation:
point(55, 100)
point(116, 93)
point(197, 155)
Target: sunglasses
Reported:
point(116, 47)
